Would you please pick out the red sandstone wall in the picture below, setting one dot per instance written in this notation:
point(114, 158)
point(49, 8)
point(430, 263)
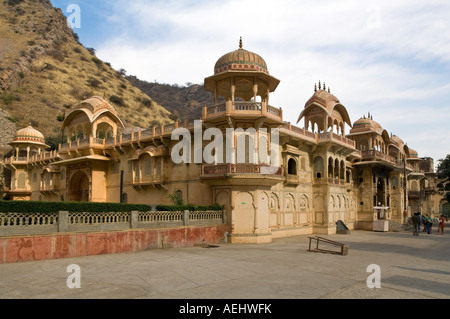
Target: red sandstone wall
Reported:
point(18, 249)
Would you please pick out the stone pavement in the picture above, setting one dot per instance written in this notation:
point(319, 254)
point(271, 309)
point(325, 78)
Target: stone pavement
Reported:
point(411, 267)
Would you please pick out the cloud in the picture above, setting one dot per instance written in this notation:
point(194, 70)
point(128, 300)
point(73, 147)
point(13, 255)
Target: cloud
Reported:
point(387, 57)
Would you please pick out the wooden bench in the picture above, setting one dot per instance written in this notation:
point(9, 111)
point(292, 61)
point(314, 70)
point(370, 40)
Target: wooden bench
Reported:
point(343, 248)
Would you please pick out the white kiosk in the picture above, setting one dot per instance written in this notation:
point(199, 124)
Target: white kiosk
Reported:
point(381, 218)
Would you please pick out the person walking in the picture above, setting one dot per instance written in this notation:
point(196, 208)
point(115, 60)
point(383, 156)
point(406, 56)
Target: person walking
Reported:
point(420, 219)
point(441, 225)
point(416, 224)
point(429, 224)
point(424, 222)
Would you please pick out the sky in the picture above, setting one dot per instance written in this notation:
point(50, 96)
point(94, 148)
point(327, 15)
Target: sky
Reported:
point(387, 58)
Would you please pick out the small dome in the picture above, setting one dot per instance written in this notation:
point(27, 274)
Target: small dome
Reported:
point(413, 153)
point(366, 123)
point(241, 60)
point(29, 135)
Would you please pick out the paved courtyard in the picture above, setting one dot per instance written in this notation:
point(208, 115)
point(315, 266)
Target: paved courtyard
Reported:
point(411, 267)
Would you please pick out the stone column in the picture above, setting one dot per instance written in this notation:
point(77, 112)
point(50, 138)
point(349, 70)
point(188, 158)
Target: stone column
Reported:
point(63, 222)
point(134, 220)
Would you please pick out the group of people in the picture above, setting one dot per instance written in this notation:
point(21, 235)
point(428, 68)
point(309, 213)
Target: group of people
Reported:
point(427, 223)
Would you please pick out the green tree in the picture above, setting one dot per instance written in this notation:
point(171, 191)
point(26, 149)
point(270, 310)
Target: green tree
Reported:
point(443, 172)
point(176, 198)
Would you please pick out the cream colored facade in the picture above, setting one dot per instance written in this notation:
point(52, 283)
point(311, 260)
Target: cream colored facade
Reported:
point(324, 174)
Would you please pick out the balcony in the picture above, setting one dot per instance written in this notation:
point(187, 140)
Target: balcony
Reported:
point(143, 181)
point(336, 138)
point(242, 174)
point(243, 109)
point(377, 155)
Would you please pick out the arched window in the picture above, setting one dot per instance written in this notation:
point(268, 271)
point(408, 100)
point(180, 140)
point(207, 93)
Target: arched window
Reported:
point(336, 168)
point(147, 166)
point(318, 167)
point(342, 174)
point(330, 167)
point(292, 167)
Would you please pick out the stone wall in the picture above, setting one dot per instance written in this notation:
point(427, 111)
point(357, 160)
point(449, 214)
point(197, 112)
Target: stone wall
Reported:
point(69, 245)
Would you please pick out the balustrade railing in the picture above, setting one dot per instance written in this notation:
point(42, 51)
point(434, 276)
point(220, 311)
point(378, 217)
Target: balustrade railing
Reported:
point(228, 169)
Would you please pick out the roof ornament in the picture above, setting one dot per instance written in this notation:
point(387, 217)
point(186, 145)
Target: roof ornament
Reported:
point(324, 86)
point(320, 85)
point(329, 90)
point(240, 44)
point(315, 87)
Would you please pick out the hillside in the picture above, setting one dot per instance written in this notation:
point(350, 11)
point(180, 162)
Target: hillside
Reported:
point(45, 71)
point(185, 102)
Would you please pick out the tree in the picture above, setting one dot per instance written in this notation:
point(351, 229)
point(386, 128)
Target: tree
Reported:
point(443, 172)
point(176, 198)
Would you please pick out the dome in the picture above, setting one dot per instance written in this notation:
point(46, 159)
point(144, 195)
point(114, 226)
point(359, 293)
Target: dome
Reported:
point(29, 135)
point(413, 153)
point(366, 124)
point(93, 107)
point(323, 100)
point(241, 60)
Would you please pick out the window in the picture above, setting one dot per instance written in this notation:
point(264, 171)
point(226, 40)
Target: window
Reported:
point(292, 167)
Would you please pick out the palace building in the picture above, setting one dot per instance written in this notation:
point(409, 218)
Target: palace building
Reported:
point(324, 174)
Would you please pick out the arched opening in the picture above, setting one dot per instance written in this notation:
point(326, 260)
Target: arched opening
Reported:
point(79, 188)
point(330, 167)
point(380, 192)
point(104, 130)
point(318, 167)
point(292, 167)
point(336, 168)
point(342, 174)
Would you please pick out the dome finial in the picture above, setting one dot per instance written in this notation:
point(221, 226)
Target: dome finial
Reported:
point(320, 86)
point(324, 86)
point(240, 44)
point(315, 87)
point(329, 90)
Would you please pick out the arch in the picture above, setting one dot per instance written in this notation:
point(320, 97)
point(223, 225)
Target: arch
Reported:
point(415, 186)
point(336, 168)
point(318, 167)
point(146, 164)
point(381, 191)
point(79, 187)
point(274, 202)
point(290, 203)
point(104, 130)
point(292, 166)
point(303, 202)
point(330, 167)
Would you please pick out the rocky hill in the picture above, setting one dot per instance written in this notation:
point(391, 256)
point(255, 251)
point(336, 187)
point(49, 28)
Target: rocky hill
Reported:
point(185, 102)
point(45, 72)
